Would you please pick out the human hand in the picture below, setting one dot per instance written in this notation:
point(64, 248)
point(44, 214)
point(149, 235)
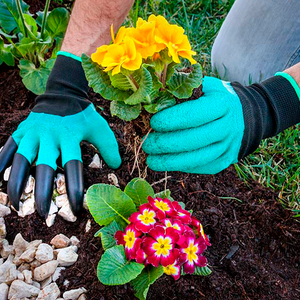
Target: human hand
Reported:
point(61, 119)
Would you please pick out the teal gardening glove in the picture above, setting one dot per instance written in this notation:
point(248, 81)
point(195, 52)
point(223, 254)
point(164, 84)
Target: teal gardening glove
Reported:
point(61, 119)
point(207, 135)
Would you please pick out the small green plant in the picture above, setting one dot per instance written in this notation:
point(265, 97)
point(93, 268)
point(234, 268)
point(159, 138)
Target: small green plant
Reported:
point(141, 68)
point(145, 235)
point(27, 41)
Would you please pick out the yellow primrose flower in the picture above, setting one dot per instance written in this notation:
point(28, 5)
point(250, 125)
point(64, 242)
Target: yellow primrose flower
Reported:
point(122, 32)
point(98, 56)
point(122, 55)
point(173, 37)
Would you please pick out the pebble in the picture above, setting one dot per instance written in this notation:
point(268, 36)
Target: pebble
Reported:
point(60, 241)
point(83, 297)
point(20, 275)
point(53, 208)
point(96, 162)
point(113, 179)
point(61, 200)
point(19, 244)
point(46, 282)
point(27, 276)
point(36, 284)
point(28, 255)
point(5, 267)
point(74, 294)
point(85, 205)
point(50, 219)
point(6, 249)
point(1, 261)
point(67, 257)
point(61, 184)
point(35, 264)
point(44, 271)
point(19, 289)
point(3, 198)
point(57, 272)
point(3, 291)
point(34, 244)
point(66, 213)
point(27, 207)
point(4, 211)
point(2, 229)
point(50, 292)
point(29, 185)
point(24, 266)
point(6, 174)
point(74, 241)
point(44, 253)
point(88, 226)
point(11, 274)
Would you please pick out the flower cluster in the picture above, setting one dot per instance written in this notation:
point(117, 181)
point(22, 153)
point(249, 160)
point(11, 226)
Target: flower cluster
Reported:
point(162, 233)
point(133, 45)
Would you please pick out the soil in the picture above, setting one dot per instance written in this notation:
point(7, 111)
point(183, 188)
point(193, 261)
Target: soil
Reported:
point(255, 242)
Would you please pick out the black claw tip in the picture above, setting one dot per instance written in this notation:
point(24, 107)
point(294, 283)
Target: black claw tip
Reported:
point(7, 155)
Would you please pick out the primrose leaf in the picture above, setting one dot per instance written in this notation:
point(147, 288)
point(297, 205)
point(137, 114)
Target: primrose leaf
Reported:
point(5, 54)
point(107, 234)
point(142, 282)
point(202, 271)
point(57, 21)
point(107, 203)
point(165, 100)
point(144, 80)
point(100, 81)
point(115, 269)
point(26, 45)
point(40, 15)
point(10, 36)
point(138, 190)
point(164, 194)
point(181, 84)
point(9, 16)
point(121, 82)
point(31, 24)
point(35, 79)
point(124, 111)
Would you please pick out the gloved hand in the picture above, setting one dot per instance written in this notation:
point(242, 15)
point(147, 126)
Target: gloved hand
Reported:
point(205, 136)
point(60, 120)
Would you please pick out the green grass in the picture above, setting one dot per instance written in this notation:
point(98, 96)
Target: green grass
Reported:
point(275, 164)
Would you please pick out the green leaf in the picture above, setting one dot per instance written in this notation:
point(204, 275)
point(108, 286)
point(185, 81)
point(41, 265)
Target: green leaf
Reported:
point(100, 81)
point(164, 194)
point(58, 43)
point(26, 45)
point(142, 282)
point(9, 16)
point(138, 190)
point(5, 54)
point(7, 35)
point(121, 82)
point(57, 21)
point(164, 101)
point(107, 234)
point(40, 15)
point(181, 84)
point(35, 79)
point(202, 271)
point(124, 111)
point(144, 79)
point(107, 203)
point(32, 25)
point(114, 269)
point(182, 205)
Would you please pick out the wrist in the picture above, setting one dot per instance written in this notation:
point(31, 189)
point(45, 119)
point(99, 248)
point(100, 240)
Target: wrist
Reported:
point(293, 78)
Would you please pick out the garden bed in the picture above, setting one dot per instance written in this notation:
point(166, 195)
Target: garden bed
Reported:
point(255, 243)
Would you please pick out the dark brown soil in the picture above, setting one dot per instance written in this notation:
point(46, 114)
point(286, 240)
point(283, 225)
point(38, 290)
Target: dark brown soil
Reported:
point(255, 242)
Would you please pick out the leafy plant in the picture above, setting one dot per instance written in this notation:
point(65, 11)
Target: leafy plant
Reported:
point(27, 41)
point(142, 69)
point(145, 235)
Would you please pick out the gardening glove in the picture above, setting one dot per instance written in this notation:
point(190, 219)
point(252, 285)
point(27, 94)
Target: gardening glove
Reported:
point(206, 135)
point(60, 120)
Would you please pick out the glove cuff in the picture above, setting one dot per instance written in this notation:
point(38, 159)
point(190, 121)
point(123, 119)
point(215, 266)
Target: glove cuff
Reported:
point(269, 107)
point(66, 90)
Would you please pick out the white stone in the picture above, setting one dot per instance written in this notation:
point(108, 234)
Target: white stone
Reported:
point(44, 271)
point(17, 260)
point(57, 272)
point(50, 220)
point(66, 283)
point(53, 208)
point(61, 200)
point(3, 198)
point(74, 241)
point(36, 284)
point(67, 257)
point(19, 289)
point(20, 275)
point(3, 291)
point(46, 282)
point(35, 264)
point(66, 213)
point(61, 184)
point(2, 229)
point(1, 261)
point(4, 211)
point(6, 249)
point(88, 226)
point(50, 292)
point(82, 297)
point(74, 294)
point(24, 266)
point(96, 162)
point(29, 185)
point(44, 253)
point(27, 208)
point(27, 276)
point(5, 267)
point(6, 174)
point(19, 244)
point(34, 244)
point(60, 241)
point(85, 205)
point(113, 179)
point(11, 274)
point(28, 255)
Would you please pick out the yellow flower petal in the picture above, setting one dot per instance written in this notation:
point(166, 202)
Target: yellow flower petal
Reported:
point(98, 56)
point(133, 65)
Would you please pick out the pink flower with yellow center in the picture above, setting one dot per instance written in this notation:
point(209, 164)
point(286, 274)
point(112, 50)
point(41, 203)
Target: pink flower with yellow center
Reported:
point(176, 224)
point(179, 213)
point(196, 223)
point(144, 219)
point(174, 269)
point(159, 246)
point(191, 253)
point(161, 206)
point(130, 240)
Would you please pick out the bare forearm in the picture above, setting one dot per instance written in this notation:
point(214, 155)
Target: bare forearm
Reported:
point(294, 71)
point(90, 23)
